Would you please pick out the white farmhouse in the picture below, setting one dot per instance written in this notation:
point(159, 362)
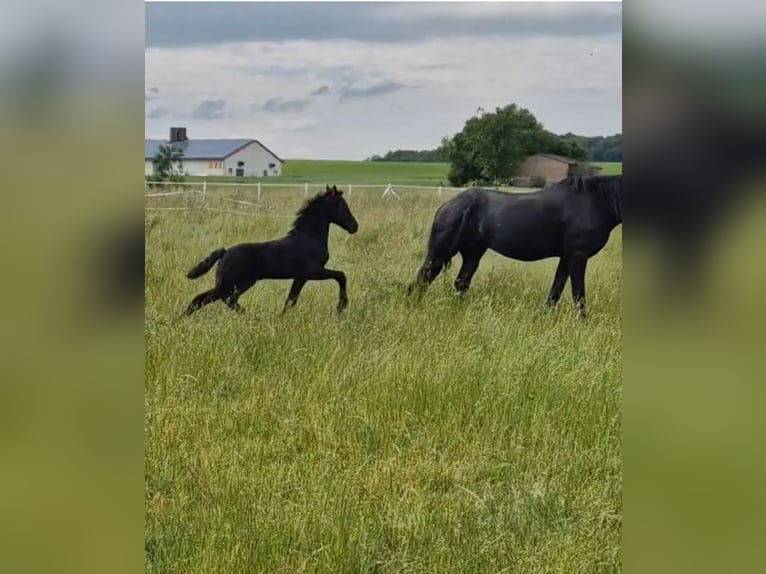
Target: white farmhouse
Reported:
point(235, 157)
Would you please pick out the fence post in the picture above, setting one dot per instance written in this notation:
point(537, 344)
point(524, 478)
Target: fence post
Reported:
point(349, 190)
point(440, 190)
point(204, 191)
point(306, 188)
point(259, 190)
point(390, 191)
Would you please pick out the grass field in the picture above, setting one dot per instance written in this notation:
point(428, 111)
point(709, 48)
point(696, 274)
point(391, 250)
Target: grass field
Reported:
point(476, 435)
point(367, 172)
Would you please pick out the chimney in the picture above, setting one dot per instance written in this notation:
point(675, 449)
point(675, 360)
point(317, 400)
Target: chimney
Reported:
point(177, 135)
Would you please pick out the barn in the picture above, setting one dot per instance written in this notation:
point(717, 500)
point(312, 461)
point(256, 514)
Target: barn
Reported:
point(234, 157)
point(551, 167)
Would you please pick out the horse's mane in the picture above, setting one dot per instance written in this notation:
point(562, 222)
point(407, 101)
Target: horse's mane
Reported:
point(607, 189)
point(594, 183)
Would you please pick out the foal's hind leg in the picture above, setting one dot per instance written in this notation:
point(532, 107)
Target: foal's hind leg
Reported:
point(200, 301)
point(467, 269)
point(231, 298)
point(559, 281)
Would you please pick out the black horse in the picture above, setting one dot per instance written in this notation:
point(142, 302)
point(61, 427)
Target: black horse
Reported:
point(301, 256)
point(571, 219)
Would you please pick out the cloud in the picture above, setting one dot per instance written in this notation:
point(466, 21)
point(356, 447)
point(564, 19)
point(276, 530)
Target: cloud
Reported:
point(157, 113)
point(379, 89)
point(373, 96)
point(218, 23)
point(209, 109)
point(279, 105)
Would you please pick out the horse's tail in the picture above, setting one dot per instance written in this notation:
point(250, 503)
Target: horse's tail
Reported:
point(447, 233)
point(206, 264)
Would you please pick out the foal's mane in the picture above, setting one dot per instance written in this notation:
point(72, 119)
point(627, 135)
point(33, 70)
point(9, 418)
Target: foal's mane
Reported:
point(308, 209)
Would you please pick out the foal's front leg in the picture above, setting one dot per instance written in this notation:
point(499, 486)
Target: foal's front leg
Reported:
point(295, 291)
point(323, 274)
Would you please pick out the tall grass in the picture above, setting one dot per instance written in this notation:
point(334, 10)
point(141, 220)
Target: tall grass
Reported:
point(476, 435)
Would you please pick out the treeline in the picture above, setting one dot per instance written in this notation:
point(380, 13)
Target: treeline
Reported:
point(427, 155)
point(596, 148)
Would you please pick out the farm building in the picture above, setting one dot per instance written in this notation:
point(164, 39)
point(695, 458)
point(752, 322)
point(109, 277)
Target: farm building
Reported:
point(235, 157)
point(551, 167)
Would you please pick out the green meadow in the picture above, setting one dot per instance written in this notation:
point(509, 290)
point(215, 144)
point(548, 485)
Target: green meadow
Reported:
point(446, 436)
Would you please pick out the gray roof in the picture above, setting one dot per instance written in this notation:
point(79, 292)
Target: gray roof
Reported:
point(560, 158)
point(205, 148)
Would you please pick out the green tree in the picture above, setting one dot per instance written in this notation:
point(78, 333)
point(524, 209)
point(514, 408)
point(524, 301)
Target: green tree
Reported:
point(168, 163)
point(491, 146)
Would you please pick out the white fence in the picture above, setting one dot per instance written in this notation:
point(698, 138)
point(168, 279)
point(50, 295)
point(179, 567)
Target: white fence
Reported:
point(203, 194)
point(182, 187)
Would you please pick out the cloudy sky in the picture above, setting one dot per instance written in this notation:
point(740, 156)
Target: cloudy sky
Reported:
point(345, 80)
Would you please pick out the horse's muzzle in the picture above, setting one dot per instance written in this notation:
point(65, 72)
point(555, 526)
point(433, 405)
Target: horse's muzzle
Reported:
point(353, 227)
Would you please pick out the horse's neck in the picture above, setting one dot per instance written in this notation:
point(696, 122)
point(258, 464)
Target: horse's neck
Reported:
point(610, 206)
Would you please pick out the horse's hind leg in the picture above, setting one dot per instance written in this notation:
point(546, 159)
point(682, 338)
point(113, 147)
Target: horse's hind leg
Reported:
point(559, 281)
point(426, 274)
point(467, 269)
point(200, 301)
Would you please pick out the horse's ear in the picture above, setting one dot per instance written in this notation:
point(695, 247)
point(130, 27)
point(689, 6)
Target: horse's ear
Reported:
point(327, 188)
point(335, 189)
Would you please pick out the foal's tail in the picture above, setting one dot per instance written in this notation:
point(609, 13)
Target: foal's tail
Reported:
point(206, 264)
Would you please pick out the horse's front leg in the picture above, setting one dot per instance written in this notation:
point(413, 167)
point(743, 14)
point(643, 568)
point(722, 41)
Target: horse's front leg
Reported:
point(577, 267)
point(559, 281)
point(323, 274)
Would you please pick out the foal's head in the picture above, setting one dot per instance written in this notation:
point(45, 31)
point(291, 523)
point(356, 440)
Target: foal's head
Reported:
point(337, 209)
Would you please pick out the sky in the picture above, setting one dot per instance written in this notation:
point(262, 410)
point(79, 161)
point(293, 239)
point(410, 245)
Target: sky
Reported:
point(325, 80)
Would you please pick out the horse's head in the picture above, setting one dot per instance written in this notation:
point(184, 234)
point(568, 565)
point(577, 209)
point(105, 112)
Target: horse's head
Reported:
point(338, 209)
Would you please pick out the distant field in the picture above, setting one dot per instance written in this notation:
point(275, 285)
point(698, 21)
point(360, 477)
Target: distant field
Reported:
point(355, 172)
point(610, 168)
point(367, 172)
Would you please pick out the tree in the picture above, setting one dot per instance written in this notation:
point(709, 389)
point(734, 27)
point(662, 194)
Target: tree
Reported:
point(168, 163)
point(491, 146)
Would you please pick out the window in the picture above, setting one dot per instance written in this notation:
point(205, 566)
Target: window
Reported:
point(229, 171)
point(272, 166)
point(215, 164)
point(240, 164)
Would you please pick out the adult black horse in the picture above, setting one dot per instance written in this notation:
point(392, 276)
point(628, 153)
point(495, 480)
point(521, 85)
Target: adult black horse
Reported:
point(571, 219)
point(301, 255)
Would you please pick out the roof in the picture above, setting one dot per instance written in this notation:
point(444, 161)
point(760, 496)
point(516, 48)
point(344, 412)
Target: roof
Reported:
point(204, 148)
point(561, 158)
